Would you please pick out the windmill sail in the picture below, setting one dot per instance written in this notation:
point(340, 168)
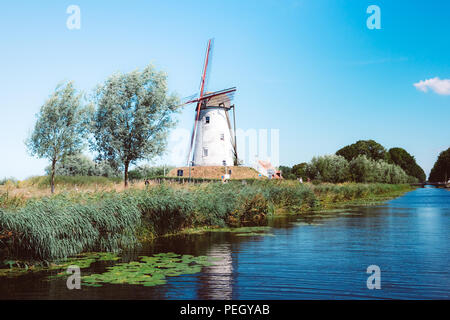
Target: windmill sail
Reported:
point(217, 136)
point(202, 88)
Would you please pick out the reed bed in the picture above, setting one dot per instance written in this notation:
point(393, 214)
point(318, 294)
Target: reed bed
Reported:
point(51, 228)
point(66, 224)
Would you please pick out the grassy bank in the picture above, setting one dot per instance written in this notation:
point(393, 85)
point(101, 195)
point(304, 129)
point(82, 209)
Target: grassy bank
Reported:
point(69, 223)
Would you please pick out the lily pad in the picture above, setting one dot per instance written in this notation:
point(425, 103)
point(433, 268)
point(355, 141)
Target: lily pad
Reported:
point(150, 270)
point(83, 261)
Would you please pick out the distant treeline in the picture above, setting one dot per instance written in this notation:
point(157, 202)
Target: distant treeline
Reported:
point(441, 168)
point(363, 161)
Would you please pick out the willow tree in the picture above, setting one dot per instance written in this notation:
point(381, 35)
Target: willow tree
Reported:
point(132, 118)
point(61, 127)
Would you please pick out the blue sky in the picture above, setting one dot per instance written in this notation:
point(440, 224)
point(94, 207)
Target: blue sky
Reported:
point(311, 69)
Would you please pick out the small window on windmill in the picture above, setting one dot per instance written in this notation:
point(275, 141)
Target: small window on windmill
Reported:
point(179, 173)
point(222, 136)
point(207, 120)
point(224, 162)
point(205, 152)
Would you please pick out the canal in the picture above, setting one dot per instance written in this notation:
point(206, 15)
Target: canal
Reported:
point(324, 256)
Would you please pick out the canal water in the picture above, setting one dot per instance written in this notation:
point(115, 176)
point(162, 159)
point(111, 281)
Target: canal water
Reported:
point(325, 256)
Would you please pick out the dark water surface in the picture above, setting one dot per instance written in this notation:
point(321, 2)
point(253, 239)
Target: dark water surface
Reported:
point(321, 257)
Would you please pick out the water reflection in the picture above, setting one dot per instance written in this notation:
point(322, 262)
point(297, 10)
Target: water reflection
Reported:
point(216, 282)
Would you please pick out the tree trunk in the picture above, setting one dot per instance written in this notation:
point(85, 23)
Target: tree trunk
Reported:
point(126, 174)
point(52, 179)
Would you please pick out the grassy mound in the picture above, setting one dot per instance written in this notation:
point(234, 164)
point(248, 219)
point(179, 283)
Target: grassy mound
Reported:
point(216, 172)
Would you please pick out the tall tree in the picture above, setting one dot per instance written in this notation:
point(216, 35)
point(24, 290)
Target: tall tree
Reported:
point(407, 162)
point(286, 172)
point(61, 127)
point(132, 118)
point(370, 148)
point(441, 169)
point(299, 170)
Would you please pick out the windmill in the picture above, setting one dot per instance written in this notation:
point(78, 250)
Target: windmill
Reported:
point(213, 141)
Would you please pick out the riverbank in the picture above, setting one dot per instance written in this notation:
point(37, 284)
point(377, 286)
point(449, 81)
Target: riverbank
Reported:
point(48, 228)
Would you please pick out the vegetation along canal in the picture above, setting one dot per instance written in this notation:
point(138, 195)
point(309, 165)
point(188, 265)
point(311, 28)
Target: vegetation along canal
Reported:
point(321, 256)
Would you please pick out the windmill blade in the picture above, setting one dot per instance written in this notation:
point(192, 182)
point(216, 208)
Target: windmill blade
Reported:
point(218, 97)
point(205, 68)
point(203, 87)
point(194, 131)
point(192, 142)
point(213, 97)
point(229, 91)
point(188, 100)
point(202, 90)
point(229, 127)
point(236, 159)
point(233, 136)
point(221, 98)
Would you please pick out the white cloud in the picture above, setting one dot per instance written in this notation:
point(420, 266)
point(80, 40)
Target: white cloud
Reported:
point(440, 86)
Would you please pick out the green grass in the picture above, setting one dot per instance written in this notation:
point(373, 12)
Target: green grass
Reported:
point(44, 181)
point(51, 228)
point(11, 201)
point(67, 224)
point(332, 196)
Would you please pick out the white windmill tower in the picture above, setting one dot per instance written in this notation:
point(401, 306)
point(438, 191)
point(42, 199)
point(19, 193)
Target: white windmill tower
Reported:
point(213, 141)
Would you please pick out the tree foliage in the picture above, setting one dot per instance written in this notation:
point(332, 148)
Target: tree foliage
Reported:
point(287, 173)
point(299, 170)
point(61, 127)
point(296, 172)
point(370, 148)
point(146, 172)
point(441, 169)
point(328, 168)
point(132, 118)
point(336, 169)
point(363, 169)
point(82, 165)
point(407, 162)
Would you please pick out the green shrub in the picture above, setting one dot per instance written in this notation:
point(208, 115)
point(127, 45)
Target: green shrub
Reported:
point(148, 172)
point(329, 168)
point(365, 170)
point(252, 210)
